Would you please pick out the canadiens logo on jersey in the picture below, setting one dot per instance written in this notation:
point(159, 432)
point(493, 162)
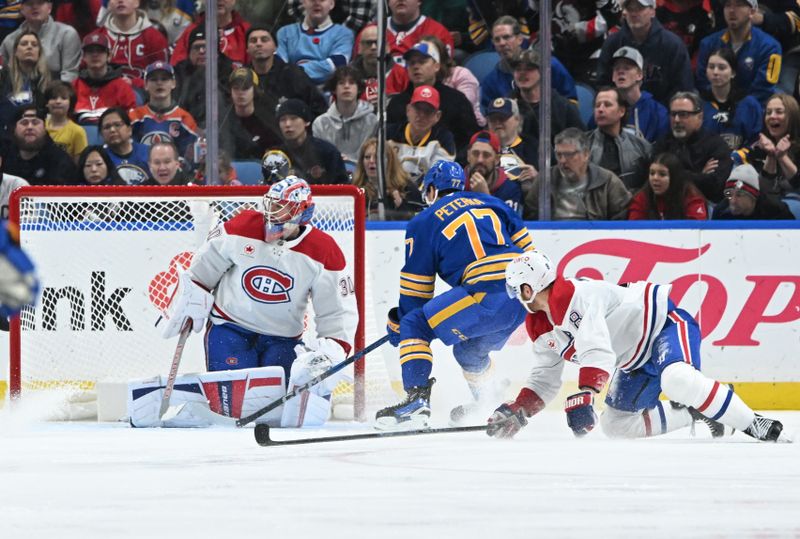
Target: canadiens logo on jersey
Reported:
point(267, 285)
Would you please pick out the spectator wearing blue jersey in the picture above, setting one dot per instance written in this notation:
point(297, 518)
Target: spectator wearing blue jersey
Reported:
point(95, 168)
point(317, 44)
point(646, 117)
point(129, 157)
point(484, 173)
point(727, 110)
point(667, 68)
point(508, 42)
point(758, 54)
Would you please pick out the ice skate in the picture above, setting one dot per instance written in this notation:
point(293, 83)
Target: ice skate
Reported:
point(485, 399)
point(717, 429)
point(413, 413)
point(767, 430)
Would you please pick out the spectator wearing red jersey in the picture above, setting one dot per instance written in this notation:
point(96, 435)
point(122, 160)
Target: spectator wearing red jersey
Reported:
point(80, 14)
point(668, 194)
point(232, 29)
point(99, 87)
point(135, 41)
point(407, 25)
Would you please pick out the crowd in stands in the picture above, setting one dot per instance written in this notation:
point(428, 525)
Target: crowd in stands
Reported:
point(659, 109)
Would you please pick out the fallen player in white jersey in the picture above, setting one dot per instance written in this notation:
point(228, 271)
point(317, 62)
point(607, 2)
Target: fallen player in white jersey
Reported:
point(253, 279)
point(637, 331)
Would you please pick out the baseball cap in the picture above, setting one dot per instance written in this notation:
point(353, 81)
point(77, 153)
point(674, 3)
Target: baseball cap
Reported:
point(527, 59)
point(30, 110)
point(159, 66)
point(489, 137)
point(294, 107)
point(425, 94)
point(425, 49)
point(243, 76)
point(96, 39)
point(629, 53)
point(503, 106)
point(643, 3)
point(743, 178)
point(197, 34)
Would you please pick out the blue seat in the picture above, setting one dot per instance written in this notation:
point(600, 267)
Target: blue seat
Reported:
point(248, 172)
point(585, 102)
point(93, 135)
point(481, 63)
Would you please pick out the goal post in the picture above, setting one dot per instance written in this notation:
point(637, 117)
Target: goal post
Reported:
point(108, 257)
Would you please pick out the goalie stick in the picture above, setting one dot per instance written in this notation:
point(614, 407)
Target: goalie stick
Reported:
point(263, 438)
point(317, 379)
point(173, 371)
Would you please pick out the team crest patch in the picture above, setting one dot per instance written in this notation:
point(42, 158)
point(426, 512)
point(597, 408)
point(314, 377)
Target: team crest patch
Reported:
point(267, 285)
point(575, 318)
point(249, 249)
point(232, 361)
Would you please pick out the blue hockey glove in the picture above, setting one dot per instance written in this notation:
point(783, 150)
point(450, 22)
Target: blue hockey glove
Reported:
point(506, 421)
point(18, 283)
point(580, 414)
point(393, 327)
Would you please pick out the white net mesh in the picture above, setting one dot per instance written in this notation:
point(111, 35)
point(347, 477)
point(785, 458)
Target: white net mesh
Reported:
point(108, 263)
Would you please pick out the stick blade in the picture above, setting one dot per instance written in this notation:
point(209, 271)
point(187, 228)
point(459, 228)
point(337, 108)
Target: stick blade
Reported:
point(261, 433)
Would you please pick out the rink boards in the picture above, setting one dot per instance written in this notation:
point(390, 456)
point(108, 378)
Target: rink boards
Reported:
point(743, 285)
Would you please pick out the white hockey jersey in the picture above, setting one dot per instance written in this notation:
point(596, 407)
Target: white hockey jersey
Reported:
point(265, 287)
point(600, 326)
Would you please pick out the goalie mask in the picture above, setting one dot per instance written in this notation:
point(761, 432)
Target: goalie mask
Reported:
point(443, 176)
point(534, 269)
point(287, 206)
point(275, 166)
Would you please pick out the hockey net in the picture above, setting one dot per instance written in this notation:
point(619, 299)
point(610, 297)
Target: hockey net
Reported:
point(108, 259)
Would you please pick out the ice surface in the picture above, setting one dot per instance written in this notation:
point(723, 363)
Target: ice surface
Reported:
point(90, 480)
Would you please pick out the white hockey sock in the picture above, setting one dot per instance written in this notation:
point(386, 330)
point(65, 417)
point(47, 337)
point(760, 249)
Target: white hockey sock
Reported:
point(653, 422)
point(685, 384)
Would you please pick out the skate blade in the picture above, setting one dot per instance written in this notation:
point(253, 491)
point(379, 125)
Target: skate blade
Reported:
point(785, 437)
point(390, 424)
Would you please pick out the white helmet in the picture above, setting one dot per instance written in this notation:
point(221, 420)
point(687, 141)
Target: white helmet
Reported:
point(533, 268)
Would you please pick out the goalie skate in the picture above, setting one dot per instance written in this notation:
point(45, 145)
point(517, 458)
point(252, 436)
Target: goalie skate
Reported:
point(411, 414)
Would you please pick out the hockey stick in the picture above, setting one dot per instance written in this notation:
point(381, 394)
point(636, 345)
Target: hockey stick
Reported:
point(314, 381)
point(262, 435)
point(173, 371)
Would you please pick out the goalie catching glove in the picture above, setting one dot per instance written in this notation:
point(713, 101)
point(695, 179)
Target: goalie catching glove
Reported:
point(189, 301)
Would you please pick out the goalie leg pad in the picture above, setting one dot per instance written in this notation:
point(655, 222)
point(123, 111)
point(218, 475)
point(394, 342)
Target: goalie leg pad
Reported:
point(144, 398)
point(306, 410)
point(241, 392)
point(685, 384)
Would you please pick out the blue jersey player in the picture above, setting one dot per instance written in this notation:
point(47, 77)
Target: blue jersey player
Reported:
point(467, 239)
point(19, 285)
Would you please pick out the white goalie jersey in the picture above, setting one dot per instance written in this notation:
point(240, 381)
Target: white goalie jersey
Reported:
point(600, 326)
point(265, 287)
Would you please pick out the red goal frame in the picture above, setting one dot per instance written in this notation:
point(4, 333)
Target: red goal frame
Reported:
point(16, 364)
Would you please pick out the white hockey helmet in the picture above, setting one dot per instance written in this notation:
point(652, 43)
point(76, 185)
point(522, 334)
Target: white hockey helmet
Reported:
point(533, 268)
point(287, 206)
